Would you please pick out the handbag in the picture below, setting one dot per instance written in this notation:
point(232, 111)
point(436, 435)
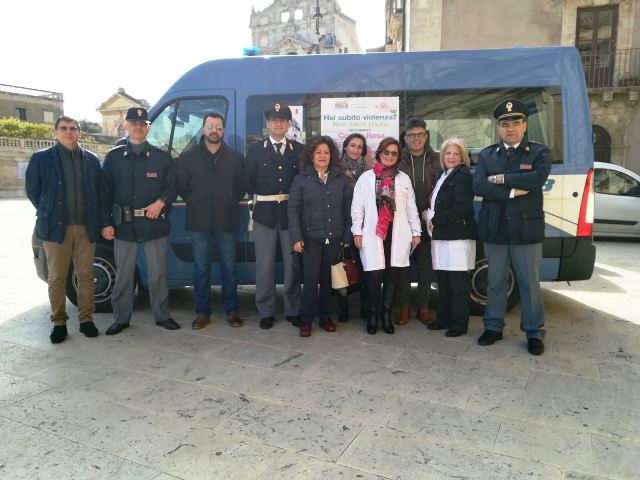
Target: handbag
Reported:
point(344, 272)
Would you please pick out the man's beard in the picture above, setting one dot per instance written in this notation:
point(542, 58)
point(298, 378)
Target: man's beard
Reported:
point(215, 140)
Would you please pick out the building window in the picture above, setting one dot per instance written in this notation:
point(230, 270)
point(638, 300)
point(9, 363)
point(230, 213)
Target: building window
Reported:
point(596, 32)
point(47, 116)
point(297, 15)
point(21, 114)
point(284, 17)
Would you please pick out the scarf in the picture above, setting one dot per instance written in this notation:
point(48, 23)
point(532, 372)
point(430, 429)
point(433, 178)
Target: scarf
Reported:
point(356, 167)
point(385, 197)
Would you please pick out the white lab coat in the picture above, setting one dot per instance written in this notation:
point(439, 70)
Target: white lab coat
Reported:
point(364, 215)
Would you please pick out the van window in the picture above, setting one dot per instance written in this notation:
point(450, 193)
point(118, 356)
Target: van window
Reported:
point(186, 117)
point(468, 113)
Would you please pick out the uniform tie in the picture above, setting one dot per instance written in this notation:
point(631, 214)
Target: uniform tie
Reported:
point(510, 151)
point(278, 149)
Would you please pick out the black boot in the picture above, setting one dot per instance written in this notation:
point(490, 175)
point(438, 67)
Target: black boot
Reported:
point(343, 309)
point(388, 296)
point(387, 324)
point(372, 321)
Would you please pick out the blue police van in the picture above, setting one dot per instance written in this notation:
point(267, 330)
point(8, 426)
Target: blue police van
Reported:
point(455, 92)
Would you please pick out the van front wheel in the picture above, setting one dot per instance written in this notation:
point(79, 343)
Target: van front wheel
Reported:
point(104, 278)
point(479, 288)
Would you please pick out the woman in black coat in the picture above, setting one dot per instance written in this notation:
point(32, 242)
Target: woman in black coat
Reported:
point(319, 214)
point(452, 226)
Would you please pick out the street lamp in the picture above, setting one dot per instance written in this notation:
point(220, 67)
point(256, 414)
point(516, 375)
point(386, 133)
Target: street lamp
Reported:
point(317, 15)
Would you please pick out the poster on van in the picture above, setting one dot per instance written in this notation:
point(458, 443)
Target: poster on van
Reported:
point(373, 117)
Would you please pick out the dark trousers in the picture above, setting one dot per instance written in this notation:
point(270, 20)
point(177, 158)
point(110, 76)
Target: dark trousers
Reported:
point(317, 258)
point(454, 289)
point(390, 276)
point(421, 258)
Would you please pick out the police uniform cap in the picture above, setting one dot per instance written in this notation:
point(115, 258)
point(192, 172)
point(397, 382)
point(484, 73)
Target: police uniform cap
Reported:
point(278, 110)
point(510, 109)
point(137, 114)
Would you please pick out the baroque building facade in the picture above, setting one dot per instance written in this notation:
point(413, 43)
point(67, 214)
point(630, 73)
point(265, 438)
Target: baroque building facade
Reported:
point(114, 110)
point(606, 33)
point(288, 27)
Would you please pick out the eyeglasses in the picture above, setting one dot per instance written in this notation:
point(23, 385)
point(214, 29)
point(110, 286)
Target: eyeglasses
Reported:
point(390, 153)
point(213, 127)
point(411, 136)
point(64, 128)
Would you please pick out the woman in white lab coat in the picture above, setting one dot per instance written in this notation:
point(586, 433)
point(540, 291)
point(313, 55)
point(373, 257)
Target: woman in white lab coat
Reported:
point(386, 229)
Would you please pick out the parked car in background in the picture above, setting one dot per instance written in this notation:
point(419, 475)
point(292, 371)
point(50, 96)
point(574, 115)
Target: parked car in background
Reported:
point(617, 202)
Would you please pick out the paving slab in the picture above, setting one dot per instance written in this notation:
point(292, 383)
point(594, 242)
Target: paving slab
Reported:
point(293, 429)
point(393, 454)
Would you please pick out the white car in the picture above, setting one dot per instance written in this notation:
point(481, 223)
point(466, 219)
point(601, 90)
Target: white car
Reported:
point(617, 201)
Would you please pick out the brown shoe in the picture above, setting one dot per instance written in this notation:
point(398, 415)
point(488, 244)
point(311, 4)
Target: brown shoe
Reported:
point(234, 320)
point(403, 316)
point(426, 316)
point(201, 321)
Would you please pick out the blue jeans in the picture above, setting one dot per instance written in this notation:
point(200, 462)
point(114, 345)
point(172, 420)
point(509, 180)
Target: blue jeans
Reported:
point(203, 244)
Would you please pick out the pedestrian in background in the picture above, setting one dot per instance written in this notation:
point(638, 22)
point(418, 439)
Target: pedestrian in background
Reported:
point(386, 229)
point(62, 183)
point(211, 181)
point(136, 194)
point(319, 225)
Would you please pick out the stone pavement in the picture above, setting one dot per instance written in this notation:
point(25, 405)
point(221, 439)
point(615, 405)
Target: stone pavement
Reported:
point(225, 403)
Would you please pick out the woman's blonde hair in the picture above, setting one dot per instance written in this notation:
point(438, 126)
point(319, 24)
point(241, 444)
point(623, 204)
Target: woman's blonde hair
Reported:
point(458, 142)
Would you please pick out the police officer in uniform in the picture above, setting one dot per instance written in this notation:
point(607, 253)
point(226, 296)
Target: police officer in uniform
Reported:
point(509, 177)
point(137, 190)
point(272, 164)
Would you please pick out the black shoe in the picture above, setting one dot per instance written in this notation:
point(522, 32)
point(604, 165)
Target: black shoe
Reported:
point(267, 322)
point(455, 333)
point(535, 346)
point(116, 328)
point(489, 337)
point(58, 334)
point(169, 324)
point(292, 319)
point(89, 329)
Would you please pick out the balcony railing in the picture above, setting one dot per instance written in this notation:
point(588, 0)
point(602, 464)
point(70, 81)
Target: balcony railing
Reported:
point(616, 69)
point(32, 92)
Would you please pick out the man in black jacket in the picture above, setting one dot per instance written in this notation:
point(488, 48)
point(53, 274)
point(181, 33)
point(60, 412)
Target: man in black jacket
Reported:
point(272, 164)
point(211, 182)
point(509, 177)
point(62, 183)
point(136, 194)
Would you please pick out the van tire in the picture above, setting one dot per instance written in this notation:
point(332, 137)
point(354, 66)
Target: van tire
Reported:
point(478, 300)
point(104, 273)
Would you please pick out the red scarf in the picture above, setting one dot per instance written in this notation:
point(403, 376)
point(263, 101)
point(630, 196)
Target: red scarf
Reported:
point(385, 197)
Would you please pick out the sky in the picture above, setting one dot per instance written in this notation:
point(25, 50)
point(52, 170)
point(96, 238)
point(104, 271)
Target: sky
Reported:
point(88, 49)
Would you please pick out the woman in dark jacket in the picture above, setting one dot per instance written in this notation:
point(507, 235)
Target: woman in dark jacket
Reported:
point(451, 224)
point(319, 225)
point(354, 159)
